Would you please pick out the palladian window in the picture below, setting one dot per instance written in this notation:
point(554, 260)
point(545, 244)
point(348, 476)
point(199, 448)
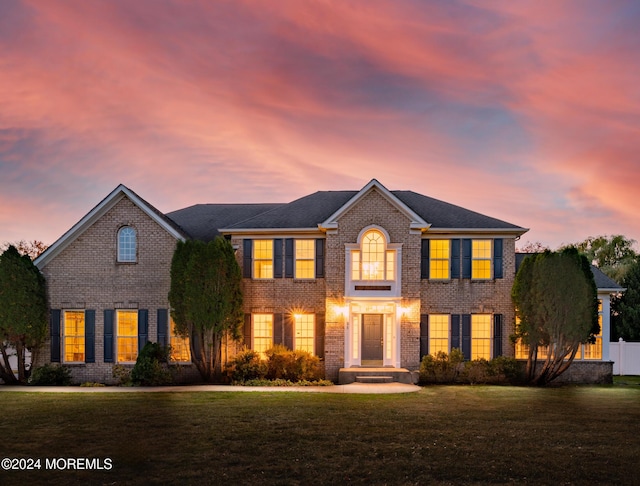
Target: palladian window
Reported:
point(373, 261)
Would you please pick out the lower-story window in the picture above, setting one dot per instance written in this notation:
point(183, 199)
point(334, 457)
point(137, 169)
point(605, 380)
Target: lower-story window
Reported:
point(304, 332)
point(481, 336)
point(179, 345)
point(262, 332)
point(127, 335)
point(73, 335)
point(438, 333)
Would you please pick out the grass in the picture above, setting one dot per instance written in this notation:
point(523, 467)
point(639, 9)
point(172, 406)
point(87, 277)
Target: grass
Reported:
point(440, 435)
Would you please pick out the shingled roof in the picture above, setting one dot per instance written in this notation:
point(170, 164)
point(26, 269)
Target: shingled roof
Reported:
point(204, 221)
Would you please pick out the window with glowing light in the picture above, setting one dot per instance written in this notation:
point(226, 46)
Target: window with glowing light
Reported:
point(481, 259)
point(127, 244)
point(263, 259)
point(179, 345)
point(305, 262)
point(73, 335)
point(439, 253)
point(304, 332)
point(594, 351)
point(373, 261)
point(438, 333)
point(481, 336)
point(262, 332)
point(127, 335)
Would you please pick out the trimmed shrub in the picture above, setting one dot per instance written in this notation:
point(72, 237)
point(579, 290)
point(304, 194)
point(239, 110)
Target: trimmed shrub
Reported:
point(452, 368)
point(151, 368)
point(441, 368)
point(245, 366)
point(281, 365)
point(51, 375)
point(122, 375)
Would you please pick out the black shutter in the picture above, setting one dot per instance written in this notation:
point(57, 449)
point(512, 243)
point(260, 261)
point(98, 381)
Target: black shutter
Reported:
point(54, 320)
point(466, 336)
point(455, 258)
point(287, 331)
point(320, 257)
point(108, 336)
point(455, 332)
point(288, 257)
point(247, 258)
point(497, 258)
point(90, 336)
point(143, 328)
point(424, 259)
point(247, 330)
point(424, 334)
point(163, 327)
point(278, 334)
point(277, 258)
point(466, 258)
point(319, 335)
point(497, 335)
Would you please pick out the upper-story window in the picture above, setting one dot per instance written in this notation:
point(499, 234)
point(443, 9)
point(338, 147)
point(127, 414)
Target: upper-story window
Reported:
point(481, 259)
point(439, 253)
point(373, 261)
point(263, 259)
point(305, 263)
point(127, 244)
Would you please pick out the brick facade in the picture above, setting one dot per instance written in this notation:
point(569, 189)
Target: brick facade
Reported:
point(85, 274)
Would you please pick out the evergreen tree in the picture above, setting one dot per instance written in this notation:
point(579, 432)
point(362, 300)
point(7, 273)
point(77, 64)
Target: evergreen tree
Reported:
point(206, 299)
point(23, 313)
point(626, 306)
point(556, 301)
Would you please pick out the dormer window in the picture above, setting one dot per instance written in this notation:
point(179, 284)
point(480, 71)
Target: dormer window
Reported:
point(373, 261)
point(127, 245)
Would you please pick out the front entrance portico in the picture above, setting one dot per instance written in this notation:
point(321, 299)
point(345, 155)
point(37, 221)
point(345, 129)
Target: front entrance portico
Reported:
point(372, 334)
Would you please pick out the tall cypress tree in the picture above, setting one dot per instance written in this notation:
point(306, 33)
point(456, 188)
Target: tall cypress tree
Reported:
point(206, 299)
point(23, 313)
point(556, 301)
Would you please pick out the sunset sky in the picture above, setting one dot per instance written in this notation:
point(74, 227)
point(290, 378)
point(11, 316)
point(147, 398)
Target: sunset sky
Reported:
point(525, 111)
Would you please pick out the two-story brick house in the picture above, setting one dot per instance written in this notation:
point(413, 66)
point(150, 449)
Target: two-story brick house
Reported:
point(364, 279)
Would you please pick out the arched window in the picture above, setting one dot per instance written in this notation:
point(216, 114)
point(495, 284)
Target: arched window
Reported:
point(127, 244)
point(373, 261)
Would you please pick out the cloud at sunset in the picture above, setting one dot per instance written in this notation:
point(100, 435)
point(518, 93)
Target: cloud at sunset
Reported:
point(528, 112)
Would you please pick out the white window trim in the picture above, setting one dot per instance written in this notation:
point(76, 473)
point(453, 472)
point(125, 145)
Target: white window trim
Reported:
point(63, 332)
point(119, 248)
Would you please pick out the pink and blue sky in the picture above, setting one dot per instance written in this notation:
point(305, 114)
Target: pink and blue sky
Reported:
point(525, 111)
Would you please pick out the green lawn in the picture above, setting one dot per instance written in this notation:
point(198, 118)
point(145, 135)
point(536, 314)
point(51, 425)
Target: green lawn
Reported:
point(441, 435)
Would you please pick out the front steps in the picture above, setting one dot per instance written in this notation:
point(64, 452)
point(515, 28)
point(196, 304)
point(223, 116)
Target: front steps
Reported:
point(376, 375)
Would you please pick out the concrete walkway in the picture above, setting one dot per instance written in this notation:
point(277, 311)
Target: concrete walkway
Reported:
point(372, 388)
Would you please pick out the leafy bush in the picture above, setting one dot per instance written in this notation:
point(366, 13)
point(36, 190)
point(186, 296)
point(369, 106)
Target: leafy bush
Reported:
point(91, 384)
point(441, 368)
point(122, 375)
point(452, 368)
point(151, 368)
point(245, 366)
point(51, 375)
point(281, 364)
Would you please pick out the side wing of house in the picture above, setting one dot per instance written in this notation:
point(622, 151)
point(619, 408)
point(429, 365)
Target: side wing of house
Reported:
point(108, 281)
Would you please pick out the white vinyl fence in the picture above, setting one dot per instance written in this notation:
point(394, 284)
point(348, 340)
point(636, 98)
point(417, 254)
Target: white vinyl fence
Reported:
point(626, 358)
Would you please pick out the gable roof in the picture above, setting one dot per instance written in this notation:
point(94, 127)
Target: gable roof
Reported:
point(98, 211)
point(417, 223)
point(322, 209)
